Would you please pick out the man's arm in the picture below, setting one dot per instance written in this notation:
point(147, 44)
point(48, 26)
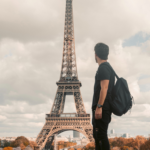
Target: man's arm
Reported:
point(103, 92)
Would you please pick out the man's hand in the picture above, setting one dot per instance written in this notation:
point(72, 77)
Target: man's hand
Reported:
point(98, 113)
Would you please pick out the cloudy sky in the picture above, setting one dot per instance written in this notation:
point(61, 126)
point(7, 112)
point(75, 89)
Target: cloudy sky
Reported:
point(31, 44)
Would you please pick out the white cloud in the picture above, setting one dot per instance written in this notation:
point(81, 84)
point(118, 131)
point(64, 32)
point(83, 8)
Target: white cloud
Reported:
point(2, 118)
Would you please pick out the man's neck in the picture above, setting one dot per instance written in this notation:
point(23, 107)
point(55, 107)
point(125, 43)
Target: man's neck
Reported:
point(101, 61)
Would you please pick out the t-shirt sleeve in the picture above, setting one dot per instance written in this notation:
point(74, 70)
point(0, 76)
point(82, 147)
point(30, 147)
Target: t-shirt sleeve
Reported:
point(103, 73)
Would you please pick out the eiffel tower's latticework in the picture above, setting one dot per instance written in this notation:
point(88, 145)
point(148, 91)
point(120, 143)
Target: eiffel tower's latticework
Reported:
point(56, 120)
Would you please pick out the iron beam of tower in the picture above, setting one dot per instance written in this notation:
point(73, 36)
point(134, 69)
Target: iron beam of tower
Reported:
point(69, 67)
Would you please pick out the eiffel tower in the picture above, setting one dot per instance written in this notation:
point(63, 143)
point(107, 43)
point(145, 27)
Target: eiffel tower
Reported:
point(57, 121)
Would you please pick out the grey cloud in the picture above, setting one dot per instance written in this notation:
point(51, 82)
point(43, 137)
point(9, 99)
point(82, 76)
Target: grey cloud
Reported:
point(31, 21)
point(99, 20)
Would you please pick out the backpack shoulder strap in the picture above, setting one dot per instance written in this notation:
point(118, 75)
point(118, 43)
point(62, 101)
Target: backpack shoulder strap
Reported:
point(111, 68)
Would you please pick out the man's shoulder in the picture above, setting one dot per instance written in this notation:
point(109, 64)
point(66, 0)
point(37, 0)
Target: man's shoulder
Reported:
point(104, 66)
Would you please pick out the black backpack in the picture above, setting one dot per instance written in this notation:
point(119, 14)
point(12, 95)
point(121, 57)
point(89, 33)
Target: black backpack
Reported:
point(121, 98)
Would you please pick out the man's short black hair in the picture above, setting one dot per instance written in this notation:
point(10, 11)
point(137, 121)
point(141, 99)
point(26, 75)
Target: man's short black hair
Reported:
point(102, 51)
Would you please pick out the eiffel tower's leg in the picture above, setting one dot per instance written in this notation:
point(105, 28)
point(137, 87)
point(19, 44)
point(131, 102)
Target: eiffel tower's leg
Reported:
point(89, 132)
point(63, 100)
point(59, 101)
point(78, 100)
point(49, 142)
point(42, 136)
point(58, 104)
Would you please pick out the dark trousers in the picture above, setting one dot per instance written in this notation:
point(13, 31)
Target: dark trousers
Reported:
point(100, 127)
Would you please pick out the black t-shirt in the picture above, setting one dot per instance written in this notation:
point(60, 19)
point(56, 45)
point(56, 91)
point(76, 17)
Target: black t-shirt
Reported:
point(104, 72)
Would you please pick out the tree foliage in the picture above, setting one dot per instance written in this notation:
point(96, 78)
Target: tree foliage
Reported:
point(63, 144)
point(33, 144)
point(139, 140)
point(124, 148)
point(146, 145)
point(7, 148)
point(20, 140)
point(6, 143)
point(22, 146)
point(0, 143)
point(137, 143)
point(90, 146)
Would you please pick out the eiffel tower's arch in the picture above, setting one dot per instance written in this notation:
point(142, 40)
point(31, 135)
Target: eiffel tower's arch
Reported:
point(60, 130)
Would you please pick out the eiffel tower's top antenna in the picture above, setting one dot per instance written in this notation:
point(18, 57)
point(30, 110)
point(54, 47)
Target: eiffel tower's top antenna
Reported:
point(69, 67)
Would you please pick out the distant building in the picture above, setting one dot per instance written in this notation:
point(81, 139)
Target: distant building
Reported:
point(126, 135)
point(79, 139)
point(70, 138)
point(112, 131)
point(8, 138)
point(61, 138)
point(76, 134)
point(113, 134)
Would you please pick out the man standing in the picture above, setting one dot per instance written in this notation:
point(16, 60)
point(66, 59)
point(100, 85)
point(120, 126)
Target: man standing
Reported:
point(101, 110)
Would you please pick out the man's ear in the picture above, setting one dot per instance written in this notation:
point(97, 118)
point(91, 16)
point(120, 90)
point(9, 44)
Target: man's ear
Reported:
point(97, 56)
